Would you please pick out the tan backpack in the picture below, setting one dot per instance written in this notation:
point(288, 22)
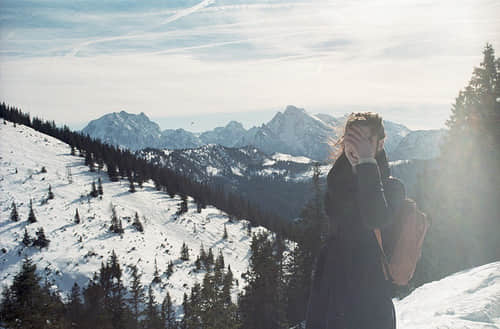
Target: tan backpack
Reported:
point(405, 238)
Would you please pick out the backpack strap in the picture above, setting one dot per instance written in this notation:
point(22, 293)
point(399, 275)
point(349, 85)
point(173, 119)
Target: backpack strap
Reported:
point(385, 263)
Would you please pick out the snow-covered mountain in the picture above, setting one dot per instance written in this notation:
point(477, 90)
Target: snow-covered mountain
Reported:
point(418, 144)
point(132, 131)
point(229, 135)
point(77, 250)
point(293, 131)
point(178, 139)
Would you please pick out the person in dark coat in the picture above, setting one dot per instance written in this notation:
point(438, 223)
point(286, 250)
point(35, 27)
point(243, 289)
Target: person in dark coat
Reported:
point(349, 289)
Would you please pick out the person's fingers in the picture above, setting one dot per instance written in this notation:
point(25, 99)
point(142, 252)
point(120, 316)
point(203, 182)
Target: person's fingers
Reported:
point(350, 140)
point(358, 132)
point(353, 136)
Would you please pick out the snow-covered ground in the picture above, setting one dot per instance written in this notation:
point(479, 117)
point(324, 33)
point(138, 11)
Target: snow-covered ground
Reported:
point(469, 299)
point(76, 251)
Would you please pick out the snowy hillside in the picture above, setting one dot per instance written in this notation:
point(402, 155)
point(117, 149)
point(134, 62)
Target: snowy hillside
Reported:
point(77, 250)
point(469, 299)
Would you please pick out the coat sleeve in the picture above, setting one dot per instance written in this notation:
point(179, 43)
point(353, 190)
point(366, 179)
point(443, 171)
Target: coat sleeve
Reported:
point(378, 203)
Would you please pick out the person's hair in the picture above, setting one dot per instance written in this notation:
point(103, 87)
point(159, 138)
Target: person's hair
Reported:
point(371, 119)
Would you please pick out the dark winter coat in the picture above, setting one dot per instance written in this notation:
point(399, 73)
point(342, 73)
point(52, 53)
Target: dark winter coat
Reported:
point(349, 290)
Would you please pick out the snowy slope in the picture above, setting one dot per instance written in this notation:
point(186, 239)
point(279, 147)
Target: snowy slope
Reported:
point(469, 299)
point(77, 250)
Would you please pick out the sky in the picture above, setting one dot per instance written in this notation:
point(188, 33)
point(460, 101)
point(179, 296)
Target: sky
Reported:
point(197, 64)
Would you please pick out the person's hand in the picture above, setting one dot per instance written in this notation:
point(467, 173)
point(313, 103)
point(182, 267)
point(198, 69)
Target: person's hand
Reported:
point(358, 141)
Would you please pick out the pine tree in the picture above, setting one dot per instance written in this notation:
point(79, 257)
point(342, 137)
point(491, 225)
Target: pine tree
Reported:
point(156, 274)
point(26, 238)
point(210, 259)
point(136, 299)
point(75, 306)
point(131, 187)
point(203, 256)
point(168, 313)
point(94, 193)
point(14, 216)
point(137, 223)
point(99, 186)
point(263, 292)
point(50, 196)
point(31, 215)
point(184, 252)
point(41, 241)
point(468, 182)
point(187, 312)
point(183, 206)
point(152, 320)
point(219, 262)
point(77, 217)
point(26, 305)
point(116, 223)
point(197, 263)
point(170, 269)
point(224, 236)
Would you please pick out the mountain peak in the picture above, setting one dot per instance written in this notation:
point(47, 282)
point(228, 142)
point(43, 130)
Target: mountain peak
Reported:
point(234, 124)
point(290, 109)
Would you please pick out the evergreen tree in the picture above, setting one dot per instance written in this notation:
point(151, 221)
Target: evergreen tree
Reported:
point(170, 269)
point(116, 223)
point(187, 313)
point(263, 292)
point(50, 196)
point(75, 307)
point(26, 305)
point(152, 320)
point(219, 262)
point(156, 274)
point(114, 292)
point(77, 217)
point(41, 241)
point(168, 313)
point(131, 187)
point(137, 223)
point(183, 206)
point(31, 215)
point(203, 256)
point(99, 186)
point(210, 259)
point(94, 193)
point(26, 238)
point(184, 252)
point(224, 236)
point(136, 299)
point(193, 316)
point(14, 216)
point(197, 263)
